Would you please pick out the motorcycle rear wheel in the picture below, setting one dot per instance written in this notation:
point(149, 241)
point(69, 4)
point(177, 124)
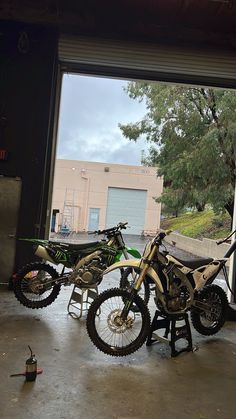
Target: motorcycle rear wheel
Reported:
point(108, 332)
point(210, 323)
point(30, 285)
point(127, 281)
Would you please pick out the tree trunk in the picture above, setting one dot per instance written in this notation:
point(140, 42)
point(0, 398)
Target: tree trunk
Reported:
point(200, 207)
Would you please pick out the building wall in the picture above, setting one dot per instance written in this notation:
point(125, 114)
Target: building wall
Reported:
point(28, 73)
point(87, 185)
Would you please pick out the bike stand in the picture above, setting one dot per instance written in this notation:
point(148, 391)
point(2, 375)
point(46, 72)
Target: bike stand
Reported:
point(168, 323)
point(80, 300)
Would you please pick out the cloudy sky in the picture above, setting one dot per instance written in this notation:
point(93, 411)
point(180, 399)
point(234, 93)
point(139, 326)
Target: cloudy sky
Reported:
point(90, 111)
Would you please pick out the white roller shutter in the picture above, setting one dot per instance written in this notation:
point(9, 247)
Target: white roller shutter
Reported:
point(126, 205)
point(147, 61)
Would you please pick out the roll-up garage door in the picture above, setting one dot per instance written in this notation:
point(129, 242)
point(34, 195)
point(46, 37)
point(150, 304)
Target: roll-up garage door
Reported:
point(147, 61)
point(126, 205)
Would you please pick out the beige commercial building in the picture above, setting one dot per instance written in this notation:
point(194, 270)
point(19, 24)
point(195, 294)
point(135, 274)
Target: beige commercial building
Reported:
point(88, 196)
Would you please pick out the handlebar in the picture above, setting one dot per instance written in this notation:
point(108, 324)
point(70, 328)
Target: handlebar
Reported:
point(161, 235)
point(226, 238)
point(107, 231)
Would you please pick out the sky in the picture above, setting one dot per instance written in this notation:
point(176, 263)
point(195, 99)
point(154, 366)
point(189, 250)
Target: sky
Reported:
point(91, 109)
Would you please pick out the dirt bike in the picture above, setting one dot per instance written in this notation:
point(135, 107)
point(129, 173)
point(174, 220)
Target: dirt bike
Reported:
point(38, 284)
point(180, 286)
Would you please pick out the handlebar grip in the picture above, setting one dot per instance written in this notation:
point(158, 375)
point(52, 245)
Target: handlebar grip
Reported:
point(110, 230)
point(122, 225)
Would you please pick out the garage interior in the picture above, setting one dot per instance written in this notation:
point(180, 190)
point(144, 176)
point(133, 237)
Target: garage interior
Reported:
point(177, 41)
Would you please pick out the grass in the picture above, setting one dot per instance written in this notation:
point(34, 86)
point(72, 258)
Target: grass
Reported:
point(200, 224)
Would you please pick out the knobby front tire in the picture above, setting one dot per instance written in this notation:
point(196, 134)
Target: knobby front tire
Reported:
point(205, 323)
point(29, 278)
point(110, 336)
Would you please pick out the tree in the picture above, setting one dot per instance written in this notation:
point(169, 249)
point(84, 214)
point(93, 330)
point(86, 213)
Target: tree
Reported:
point(192, 137)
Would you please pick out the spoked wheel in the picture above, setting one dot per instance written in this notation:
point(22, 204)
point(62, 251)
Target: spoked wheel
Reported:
point(210, 321)
point(35, 285)
point(109, 332)
point(127, 280)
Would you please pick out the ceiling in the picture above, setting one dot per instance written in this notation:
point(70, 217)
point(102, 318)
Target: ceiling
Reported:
point(209, 23)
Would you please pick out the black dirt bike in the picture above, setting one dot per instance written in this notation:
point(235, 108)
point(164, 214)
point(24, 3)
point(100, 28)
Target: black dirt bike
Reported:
point(180, 286)
point(38, 284)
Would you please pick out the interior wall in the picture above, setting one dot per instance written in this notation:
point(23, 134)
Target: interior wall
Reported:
point(28, 72)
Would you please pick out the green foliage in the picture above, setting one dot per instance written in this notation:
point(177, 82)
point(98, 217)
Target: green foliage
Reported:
point(192, 137)
point(172, 201)
point(199, 225)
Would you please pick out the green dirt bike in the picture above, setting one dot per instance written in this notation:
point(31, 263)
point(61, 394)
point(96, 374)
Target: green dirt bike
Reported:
point(38, 284)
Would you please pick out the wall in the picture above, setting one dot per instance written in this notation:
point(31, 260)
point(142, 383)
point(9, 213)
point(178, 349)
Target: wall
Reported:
point(90, 184)
point(203, 248)
point(27, 88)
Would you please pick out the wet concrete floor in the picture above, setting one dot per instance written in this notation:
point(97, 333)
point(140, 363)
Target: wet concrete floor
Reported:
point(78, 381)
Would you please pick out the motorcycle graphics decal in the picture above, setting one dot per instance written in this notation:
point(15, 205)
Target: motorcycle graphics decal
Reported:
point(60, 256)
point(110, 260)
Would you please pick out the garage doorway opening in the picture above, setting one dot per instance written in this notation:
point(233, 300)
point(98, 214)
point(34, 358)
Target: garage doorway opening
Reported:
point(96, 159)
point(98, 164)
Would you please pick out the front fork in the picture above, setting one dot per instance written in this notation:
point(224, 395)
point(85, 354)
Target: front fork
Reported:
point(128, 304)
point(133, 292)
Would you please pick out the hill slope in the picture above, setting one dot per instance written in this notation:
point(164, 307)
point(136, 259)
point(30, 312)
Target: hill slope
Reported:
point(199, 224)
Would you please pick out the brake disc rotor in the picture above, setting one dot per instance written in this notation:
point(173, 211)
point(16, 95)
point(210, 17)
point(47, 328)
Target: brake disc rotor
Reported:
point(116, 324)
point(36, 284)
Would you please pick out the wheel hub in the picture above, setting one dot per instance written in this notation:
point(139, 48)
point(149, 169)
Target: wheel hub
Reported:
point(117, 324)
point(36, 284)
point(214, 313)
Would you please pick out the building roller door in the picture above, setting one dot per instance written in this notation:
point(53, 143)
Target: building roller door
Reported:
point(147, 61)
point(126, 205)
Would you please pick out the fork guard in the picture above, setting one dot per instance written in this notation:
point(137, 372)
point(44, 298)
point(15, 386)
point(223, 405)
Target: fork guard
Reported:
point(136, 263)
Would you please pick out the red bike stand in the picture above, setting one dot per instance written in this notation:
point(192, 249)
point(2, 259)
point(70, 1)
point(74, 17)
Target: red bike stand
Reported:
point(168, 322)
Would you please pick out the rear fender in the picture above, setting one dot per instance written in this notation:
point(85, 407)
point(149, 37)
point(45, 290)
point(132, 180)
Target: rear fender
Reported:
point(136, 263)
point(41, 252)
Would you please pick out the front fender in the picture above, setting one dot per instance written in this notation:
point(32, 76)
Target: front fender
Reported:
point(135, 263)
point(134, 252)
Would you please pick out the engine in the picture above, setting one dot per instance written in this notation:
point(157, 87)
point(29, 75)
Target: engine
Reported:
point(89, 274)
point(177, 296)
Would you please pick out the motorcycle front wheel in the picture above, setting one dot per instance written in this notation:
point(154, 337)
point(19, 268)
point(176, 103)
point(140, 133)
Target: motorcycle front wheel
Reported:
point(109, 332)
point(35, 285)
point(211, 321)
point(127, 281)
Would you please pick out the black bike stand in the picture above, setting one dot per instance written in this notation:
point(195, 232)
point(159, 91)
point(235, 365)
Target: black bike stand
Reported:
point(168, 323)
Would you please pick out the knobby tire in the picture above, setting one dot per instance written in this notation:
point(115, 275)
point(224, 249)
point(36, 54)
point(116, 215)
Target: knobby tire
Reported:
point(197, 313)
point(93, 315)
point(17, 286)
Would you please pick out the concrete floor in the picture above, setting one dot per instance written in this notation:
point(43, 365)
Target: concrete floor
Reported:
point(78, 381)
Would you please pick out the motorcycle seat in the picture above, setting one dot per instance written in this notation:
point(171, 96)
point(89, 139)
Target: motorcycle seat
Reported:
point(194, 263)
point(81, 246)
